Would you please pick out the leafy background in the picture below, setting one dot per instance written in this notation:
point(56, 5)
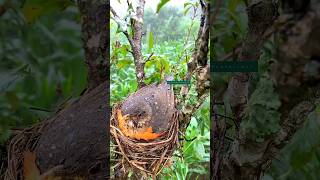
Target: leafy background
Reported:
point(41, 61)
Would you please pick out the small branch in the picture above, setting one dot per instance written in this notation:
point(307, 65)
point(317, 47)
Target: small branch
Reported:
point(137, 25)
point(149, 57)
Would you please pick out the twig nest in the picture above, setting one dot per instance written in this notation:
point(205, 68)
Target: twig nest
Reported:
point(144, 128)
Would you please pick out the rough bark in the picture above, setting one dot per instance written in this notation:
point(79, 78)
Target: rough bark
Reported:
point(95, 33)
point(76, 139)
point(297, 85)
point(261, 15)
point(137, 25)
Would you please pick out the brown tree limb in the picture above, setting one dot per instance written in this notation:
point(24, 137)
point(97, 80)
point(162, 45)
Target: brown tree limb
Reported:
point(136, 23)
point(261, 15)
point(95, 33)
point(198, 66)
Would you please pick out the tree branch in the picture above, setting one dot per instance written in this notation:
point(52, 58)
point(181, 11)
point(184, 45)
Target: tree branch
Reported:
point(198, 65)
point(261, 15)
point(298, 91)
point(136, 23)
point(95, 20)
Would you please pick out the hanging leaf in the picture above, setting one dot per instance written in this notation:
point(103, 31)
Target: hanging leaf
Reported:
point(30, 170)
point(150, 41)
point(161, 4)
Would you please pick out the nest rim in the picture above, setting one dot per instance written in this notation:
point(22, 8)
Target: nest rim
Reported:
point(134, 153)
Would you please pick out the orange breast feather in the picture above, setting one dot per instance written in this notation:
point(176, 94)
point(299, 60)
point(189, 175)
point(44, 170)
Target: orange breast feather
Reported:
point(145, 133)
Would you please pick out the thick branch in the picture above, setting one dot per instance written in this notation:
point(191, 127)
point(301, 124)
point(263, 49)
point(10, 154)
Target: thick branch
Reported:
point(95, 33)
point(298, 90)
point(261, 15)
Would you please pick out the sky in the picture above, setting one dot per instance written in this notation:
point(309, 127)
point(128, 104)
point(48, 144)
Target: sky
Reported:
point(121, 9)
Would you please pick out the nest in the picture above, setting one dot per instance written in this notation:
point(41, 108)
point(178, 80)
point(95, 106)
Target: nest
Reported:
point(146, 157)
point(24, 141)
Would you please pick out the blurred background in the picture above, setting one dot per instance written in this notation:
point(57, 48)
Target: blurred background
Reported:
point(41, 61)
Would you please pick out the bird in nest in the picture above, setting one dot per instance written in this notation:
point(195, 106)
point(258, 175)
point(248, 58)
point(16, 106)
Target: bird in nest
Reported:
point(147, 114)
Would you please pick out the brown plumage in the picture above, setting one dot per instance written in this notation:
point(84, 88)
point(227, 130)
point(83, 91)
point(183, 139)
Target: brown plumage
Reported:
point(147, 113)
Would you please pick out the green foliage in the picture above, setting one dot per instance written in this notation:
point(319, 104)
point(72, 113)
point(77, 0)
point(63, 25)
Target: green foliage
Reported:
point(192, 161)
point(301, 158)
point(41, 64)
point(261, 116)
point(229, 28)
point(32, 9)
point(150, 41)
point(169, 25)
point(171, 52)
point(161, 4)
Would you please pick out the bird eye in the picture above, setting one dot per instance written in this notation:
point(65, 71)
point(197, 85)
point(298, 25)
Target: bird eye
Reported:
point(141, 114)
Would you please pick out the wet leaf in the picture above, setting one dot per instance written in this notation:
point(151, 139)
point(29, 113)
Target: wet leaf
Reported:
point(161, 4)
point(30, 169)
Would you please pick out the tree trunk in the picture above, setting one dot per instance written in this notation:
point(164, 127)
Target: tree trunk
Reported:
point(298, 88)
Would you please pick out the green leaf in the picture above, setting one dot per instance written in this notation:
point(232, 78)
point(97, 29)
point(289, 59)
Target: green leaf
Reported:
point(161, 4)
point(13, 99)
point(123, 63)
point(32, 9)
point(150, 41)
point(233, 5)
point(261, 116)
point(186, 10)
point(300, 159)
point(199, 149)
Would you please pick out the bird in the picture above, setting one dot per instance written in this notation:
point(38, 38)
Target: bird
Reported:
point(147, 114)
